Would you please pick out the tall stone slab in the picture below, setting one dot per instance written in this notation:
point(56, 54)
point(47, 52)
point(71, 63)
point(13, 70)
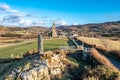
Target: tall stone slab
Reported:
point(40, 44)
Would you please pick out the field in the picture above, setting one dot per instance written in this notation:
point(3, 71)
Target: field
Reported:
point(8, 41)
point(109, 44)
point(5, 52)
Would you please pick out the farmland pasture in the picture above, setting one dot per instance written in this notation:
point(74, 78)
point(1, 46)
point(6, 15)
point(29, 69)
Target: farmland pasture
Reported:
point(5, 52)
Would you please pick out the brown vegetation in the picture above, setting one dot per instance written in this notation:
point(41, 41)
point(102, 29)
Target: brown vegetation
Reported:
point(100, 73)
point(75, 70)
point(47, 55)
point(106, 46)
point(102, 59)
point(31, 52)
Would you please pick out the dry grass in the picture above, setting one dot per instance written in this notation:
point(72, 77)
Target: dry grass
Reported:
point(102, 59)
point(68, 63)
point(103, 43)
point(108, 46)
point(48, 54)
point(7, 41)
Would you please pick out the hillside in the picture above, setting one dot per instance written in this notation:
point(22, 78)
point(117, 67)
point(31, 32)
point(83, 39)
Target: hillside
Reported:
point(106, 29)
point(102, 26)
point(34, 29)
point(55, 65)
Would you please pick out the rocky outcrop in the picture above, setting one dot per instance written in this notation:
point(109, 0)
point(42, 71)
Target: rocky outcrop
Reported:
point(43, 68)
point(56, 66)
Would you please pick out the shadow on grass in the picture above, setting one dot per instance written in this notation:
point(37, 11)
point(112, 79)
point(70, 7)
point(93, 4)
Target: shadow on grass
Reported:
point(70, 43)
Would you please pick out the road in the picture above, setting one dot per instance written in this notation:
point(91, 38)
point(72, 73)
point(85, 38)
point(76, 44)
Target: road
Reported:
point(115, 62)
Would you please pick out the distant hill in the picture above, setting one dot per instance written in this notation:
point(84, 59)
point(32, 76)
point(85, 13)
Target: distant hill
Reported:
point(99, 26)
point(6, 29)
point(107, 29)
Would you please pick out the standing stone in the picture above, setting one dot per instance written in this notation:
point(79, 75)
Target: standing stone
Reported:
point(40, 44)
point(54, 33)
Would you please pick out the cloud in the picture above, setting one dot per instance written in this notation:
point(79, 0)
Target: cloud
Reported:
point(4, 7)
point(37, 23)
point(19, 20)
point(24, 22)
point(74, 24)
point(13, 18)
point(60, 22)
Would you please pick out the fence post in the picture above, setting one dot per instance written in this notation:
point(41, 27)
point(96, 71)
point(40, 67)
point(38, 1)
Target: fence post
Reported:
point(40, 44)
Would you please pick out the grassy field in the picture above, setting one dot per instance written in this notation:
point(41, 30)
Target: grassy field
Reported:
point(110, 44)
point(8, 41)
point(55, 43)
point(6, 52)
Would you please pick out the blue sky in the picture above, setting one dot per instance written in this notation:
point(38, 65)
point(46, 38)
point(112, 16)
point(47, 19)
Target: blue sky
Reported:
point(63, 12)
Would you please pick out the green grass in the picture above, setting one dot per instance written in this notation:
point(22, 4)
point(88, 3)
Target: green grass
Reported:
point(18, 49)
point(15, 50)
point(55, 43)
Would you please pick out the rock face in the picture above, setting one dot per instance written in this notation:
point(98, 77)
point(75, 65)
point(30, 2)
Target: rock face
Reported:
point(37, 73)
point(37, 69)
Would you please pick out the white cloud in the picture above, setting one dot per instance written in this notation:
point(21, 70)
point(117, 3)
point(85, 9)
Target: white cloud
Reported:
point(4, 7)
point(60, 22)
point(20, 20)
point(10, 16)
point(13, 18)
point(24, 22)
point(74, 24)
point(37, 23)
point(14, 12)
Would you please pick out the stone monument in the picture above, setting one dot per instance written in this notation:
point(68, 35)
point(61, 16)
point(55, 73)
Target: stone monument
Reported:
point(54, 33)
point(40, 44)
